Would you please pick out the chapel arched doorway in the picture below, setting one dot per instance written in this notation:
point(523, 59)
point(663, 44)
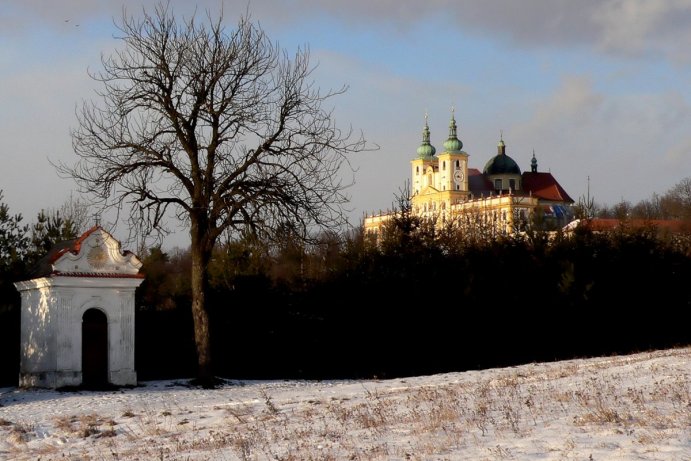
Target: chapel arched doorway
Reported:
point(94, 348)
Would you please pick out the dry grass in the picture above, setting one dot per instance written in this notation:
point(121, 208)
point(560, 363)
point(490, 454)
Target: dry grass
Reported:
point(85, 425)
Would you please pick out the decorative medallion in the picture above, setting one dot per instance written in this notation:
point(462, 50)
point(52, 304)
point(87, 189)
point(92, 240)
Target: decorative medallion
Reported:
point(97, 257)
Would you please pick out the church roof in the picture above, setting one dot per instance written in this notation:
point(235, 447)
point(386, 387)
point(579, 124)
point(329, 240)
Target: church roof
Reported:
point(544, 186)
point(478, 184)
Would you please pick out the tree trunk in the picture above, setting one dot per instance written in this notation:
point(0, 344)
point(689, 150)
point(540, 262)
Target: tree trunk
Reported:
point(200, 259)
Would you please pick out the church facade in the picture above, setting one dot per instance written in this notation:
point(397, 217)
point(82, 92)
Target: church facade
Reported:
point(501, 199)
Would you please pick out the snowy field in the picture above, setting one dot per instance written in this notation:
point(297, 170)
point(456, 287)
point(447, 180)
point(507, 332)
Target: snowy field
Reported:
point(635, 407)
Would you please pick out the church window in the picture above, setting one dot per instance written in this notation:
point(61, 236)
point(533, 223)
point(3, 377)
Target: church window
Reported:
point(497, 184)
point(417, 170)
point(443, 165)
point(458, 187)
point(512, 184)
point(458, 163)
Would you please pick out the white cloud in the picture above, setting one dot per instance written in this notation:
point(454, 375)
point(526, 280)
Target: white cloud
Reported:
point(574, 103)
point(620, 27)
point(641, 26)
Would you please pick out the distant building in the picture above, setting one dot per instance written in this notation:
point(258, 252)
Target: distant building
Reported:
point(501, 197)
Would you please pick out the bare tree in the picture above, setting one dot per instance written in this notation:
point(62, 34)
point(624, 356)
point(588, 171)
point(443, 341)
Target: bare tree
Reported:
point(677, 201)
point(622, 210)
point(78, 212)
point(220, 127)
point(648, 209)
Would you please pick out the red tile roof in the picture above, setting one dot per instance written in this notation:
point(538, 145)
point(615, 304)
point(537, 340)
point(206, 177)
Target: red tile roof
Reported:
point(545, 187)
point(72, 246)
point(478, 183)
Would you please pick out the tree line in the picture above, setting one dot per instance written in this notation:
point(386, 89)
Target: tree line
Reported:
point(422, 300)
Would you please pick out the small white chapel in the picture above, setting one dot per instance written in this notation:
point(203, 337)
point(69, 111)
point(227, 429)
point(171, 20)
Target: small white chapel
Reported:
point(77, 315)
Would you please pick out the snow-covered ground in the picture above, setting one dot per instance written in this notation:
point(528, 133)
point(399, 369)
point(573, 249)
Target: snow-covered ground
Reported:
point(634, 407)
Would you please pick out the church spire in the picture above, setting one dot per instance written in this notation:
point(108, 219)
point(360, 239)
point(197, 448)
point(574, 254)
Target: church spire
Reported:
point(501, 147)
point(453, 144)
point(426, 149)
point(533, 163)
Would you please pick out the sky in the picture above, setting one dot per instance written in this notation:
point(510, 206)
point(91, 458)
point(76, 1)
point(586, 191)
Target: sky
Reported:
point(619, 408)
point(598, 89)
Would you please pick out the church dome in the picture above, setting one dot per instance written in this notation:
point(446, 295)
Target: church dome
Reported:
point(501, 163)
point(426, 149)
point(453, 144)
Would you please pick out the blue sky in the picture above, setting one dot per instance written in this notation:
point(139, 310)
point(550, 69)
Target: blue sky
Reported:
point(596, 88)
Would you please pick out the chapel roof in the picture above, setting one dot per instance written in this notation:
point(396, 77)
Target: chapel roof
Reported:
point(48, 265)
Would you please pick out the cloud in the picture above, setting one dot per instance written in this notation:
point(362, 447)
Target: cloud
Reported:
point(636, 27)
point(559, 118)
point(24, 15)
point(618, 27)
point(631, 144)
point(529, 21)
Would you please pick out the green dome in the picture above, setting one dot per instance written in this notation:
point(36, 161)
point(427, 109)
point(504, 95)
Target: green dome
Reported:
point(426, 150)
point(501, 164)
point(453, 144)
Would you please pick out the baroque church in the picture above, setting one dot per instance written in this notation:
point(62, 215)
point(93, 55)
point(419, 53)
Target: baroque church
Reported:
point(500, 198)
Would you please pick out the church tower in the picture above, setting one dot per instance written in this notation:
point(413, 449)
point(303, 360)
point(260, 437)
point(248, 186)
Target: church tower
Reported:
point(453, 164)
point(439, 180)
point(423, 166)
